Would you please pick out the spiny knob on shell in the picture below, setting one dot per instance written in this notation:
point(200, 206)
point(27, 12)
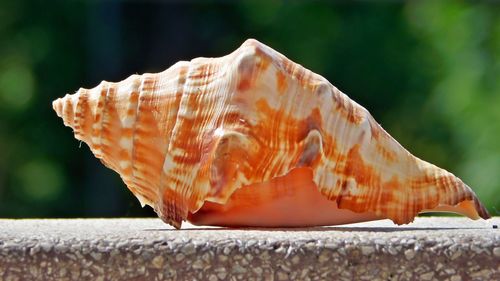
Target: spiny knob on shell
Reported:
point(255, 139)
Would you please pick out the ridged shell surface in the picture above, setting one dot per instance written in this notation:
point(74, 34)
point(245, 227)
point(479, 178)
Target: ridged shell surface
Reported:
point(201, 130)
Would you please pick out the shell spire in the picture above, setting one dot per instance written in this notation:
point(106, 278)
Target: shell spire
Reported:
point(255, 139)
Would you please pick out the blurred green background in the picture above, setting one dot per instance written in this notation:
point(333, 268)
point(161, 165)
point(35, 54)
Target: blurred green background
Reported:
point(428, 71)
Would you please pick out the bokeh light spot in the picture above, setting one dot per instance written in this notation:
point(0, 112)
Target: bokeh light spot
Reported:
point(17, 85)
point(40, 180)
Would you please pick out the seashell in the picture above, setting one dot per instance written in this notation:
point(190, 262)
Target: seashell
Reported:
point(254, 139)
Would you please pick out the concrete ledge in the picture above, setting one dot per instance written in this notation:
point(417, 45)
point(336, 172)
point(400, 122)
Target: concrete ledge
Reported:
point(146, 249)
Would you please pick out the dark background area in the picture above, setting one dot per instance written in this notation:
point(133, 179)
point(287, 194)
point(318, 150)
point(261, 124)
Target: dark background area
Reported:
point(428, 71)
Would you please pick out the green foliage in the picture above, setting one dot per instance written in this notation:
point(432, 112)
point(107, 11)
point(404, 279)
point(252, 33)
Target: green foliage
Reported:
point(427, 70)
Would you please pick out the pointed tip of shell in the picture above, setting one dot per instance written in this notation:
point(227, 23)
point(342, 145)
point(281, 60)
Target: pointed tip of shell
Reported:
point(65, 108)
point(480, 209)
point(57, 105)
point(251, 42)
point(477, 209)
point(254, 45)
point(467, 205)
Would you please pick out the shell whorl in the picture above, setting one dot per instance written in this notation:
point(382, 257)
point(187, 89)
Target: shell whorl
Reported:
point(202, 129)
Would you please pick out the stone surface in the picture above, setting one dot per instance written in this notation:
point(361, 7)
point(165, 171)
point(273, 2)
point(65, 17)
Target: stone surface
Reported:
point(147, 249)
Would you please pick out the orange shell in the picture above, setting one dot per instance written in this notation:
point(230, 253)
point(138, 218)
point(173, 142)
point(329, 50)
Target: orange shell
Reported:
point(255, 139)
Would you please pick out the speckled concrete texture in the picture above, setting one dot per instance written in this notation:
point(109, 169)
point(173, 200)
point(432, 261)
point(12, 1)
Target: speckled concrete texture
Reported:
point(146, 249)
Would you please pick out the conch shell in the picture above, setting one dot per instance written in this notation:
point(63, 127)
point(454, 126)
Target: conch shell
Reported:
point(254, 139)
